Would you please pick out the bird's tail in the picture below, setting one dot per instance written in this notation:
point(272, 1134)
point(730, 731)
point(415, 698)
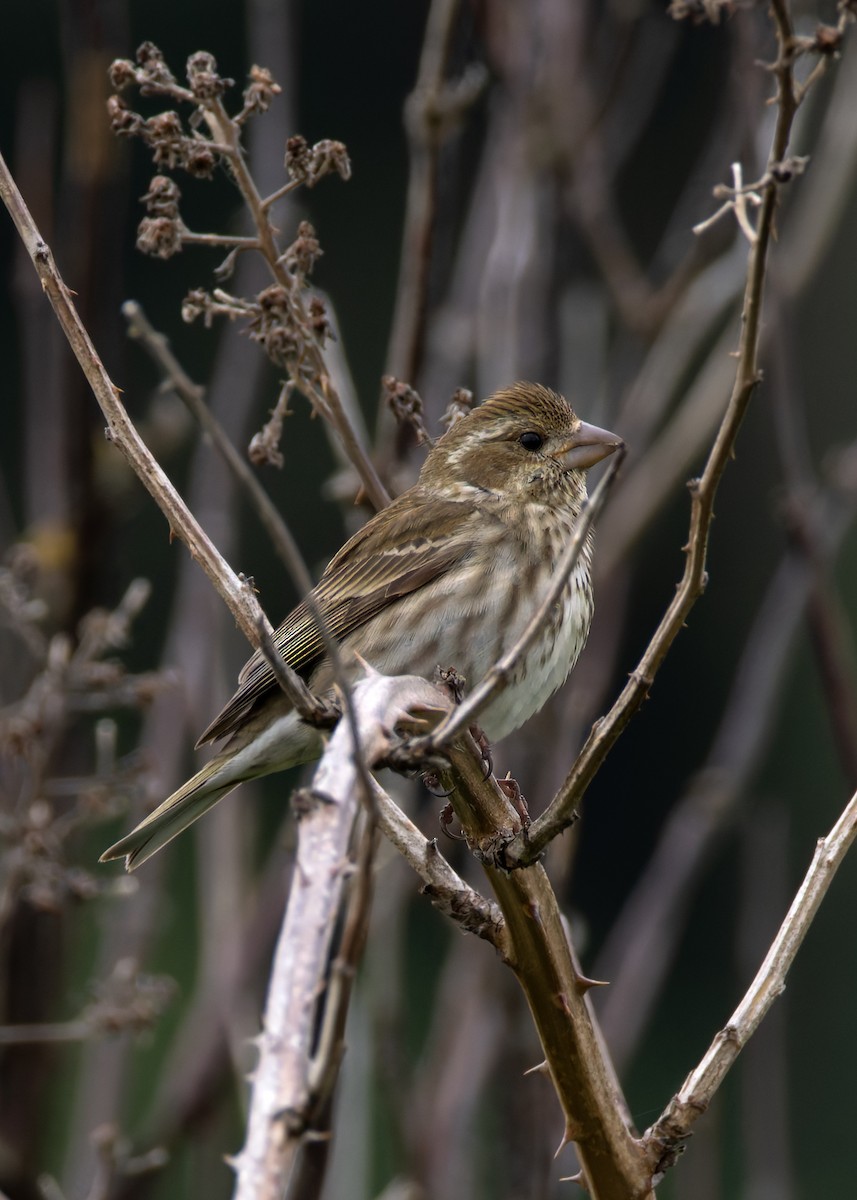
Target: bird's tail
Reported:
point(178, 811)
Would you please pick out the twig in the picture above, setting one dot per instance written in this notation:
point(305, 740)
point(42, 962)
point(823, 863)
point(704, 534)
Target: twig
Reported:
point(448, 892)
point(240, 600)
point(500, 674)
point(308, 705)
point(219, 239)
point(739, 198)
point(431, 112)
point(695, 1094)
point(157, 347)
point(61, 1031)
point(605, 732)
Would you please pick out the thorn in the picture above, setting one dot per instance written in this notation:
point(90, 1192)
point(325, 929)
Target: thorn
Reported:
point(567, 1139)
point(583, 983)
point(578, 1179)
point(541, 1068)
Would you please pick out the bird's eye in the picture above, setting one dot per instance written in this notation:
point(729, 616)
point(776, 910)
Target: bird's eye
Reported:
point(531, 441)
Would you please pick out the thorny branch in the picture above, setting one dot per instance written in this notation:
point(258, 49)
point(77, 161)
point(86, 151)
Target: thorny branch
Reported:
point(605, 732)
point(692, 1100)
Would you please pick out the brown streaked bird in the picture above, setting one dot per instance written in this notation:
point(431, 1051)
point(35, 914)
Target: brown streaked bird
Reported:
point(447, 575)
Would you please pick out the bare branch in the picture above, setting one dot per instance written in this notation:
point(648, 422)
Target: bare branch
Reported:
point(606, 732)
point(432, 112)
point(696, 1093)
point(157, 347)
point(283, 1103)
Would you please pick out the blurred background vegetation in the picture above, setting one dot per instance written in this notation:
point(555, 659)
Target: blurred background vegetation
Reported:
point(562, 251)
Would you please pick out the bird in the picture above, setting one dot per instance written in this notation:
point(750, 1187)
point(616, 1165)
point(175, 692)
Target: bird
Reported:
point(447, 575)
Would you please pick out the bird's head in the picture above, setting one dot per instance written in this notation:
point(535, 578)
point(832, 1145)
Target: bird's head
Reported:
point(524, 442)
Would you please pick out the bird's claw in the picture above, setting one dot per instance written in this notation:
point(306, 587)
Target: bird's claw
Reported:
point(512, 791)
point(484, 749)
point(446, 818)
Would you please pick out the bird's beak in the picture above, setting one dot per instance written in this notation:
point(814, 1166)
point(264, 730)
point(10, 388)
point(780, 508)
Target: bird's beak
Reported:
point(588, 445)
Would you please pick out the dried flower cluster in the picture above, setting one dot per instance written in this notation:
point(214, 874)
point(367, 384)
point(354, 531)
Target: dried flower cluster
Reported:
point(277, 318)
point(308, 164)
point(407, 407)
point(286, 319)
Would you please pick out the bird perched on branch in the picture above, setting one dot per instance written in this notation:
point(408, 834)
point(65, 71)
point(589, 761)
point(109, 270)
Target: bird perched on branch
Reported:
point(447, 575)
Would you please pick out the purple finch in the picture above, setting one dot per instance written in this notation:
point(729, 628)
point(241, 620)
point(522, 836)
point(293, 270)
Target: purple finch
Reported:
point(447, 575)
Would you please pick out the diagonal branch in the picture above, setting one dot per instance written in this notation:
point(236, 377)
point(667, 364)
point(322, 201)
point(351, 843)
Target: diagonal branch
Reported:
point(605, 732)
point(695, 1094)
point(158, 348)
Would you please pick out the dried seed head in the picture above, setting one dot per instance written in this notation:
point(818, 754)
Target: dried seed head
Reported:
point(199, 159)
point(260, 91)
point(159, 237)
point(204, 80)
point(458, 407)
point(195, 304)
point(164, 134)
point(304, 252)
point(121, 73)
point(162, 198)
point(123, 121)
point(151, 60)
point(298, 158)
point(329, 156)
point(319, 320)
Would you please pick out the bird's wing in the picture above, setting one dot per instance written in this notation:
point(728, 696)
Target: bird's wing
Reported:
point(400, 550)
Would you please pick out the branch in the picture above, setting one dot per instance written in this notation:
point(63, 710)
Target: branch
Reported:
point(284, 1105)
point(432, 111)
point(605, 732)
point(695, 1095)
point(192, 394)
point(643, 940)
point(537, 949)
point(446, 889)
